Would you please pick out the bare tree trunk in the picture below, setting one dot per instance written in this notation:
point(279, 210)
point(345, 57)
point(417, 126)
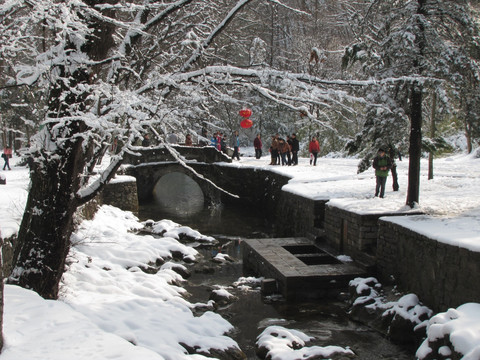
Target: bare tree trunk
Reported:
point(415, 150)
point(468, 135)
point(432, 135)
point(416, 98)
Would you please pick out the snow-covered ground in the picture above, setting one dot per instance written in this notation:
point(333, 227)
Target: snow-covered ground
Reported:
point(111, 309)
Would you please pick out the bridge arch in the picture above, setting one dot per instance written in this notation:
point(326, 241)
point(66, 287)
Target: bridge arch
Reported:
point(178, 193)
point(149, 175)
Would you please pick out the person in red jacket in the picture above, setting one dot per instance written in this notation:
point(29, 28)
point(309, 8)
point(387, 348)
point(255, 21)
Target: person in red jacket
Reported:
point(314, 149)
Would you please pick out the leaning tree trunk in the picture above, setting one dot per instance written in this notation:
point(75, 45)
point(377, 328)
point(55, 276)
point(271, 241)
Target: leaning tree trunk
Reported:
point(44, 236)
point(415, 150)
point(47, 224)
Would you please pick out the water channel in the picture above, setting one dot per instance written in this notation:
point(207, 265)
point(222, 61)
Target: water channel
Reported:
point(326, 320)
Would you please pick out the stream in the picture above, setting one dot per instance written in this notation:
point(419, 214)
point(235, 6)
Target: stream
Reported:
point(326, 320)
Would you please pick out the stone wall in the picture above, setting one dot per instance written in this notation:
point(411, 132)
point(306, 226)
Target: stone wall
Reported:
point(299, 216)
point(354, 234)
point(260, 189)
point(122, 194)
point(442, 275)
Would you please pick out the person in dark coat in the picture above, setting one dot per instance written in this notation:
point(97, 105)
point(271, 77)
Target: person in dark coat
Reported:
point(382, 165)
point(257, 144)
point(295, 149)
point(392, 152)
point(146, 140)
point(223, 144)
point(274, 151)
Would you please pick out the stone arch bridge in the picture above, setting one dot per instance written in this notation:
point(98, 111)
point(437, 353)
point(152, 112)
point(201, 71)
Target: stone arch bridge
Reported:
point(150, 164)
point(257, 187)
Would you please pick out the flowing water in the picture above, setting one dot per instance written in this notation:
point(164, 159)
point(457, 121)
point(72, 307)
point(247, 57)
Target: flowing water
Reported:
point(325, 320)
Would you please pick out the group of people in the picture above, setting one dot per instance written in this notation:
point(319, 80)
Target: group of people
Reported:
point(282, 151)
point(219, 141)
point(285, 151)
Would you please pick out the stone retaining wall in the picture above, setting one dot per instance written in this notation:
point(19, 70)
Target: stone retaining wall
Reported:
point(122, 194)
point(352, 234)
point(442, 275)
point(299, 216)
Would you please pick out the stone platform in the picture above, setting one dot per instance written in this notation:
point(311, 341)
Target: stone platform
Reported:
point(297, 268)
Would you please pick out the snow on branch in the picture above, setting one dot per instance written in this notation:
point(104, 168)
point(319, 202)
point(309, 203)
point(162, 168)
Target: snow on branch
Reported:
point(92, 189)
point(218, 29)
point(289, 7)
point(143, 29)
point(229, 72)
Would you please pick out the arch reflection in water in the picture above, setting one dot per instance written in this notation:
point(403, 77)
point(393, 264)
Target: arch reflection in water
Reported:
point(178, 194)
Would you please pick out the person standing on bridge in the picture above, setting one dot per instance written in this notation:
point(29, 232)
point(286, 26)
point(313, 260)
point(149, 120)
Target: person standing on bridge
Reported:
point(235, 143)
point(218, 141)
point(257, 144)
point(295, 149)
point(223, 144)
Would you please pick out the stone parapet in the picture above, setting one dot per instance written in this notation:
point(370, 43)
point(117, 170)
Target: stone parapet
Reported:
point(154, 154)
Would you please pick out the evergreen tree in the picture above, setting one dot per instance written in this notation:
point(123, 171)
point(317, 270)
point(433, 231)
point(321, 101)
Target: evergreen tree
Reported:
point(414, 45)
